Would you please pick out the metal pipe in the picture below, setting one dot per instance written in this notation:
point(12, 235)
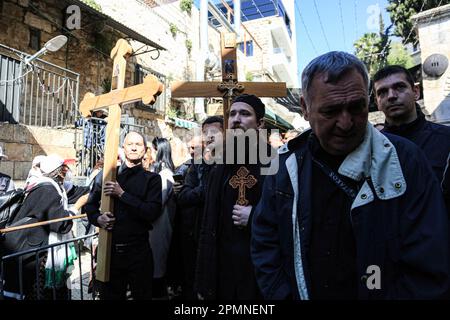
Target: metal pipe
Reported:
point(237, 16)
point(42, 223)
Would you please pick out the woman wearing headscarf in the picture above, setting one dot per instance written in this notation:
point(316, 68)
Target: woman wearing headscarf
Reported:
point(46, 200)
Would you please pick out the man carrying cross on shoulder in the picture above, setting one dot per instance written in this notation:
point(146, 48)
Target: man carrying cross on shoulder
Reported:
point(224, 268)
point(137, 204)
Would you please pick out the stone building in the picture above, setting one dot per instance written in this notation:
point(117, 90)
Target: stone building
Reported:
point(42, 121)
point(268, 51)
point(434, 37)
point(41, 110)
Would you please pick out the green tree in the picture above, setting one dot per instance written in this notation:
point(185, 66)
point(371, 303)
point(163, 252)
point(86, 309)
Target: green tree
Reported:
point(373, 48)
point(402, 11)
point(93, 4)
point(398, 55)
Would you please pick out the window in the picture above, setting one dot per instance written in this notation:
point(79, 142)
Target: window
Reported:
point(139, 75)
point(35, 39)
point(248, 49)
point(287, 21)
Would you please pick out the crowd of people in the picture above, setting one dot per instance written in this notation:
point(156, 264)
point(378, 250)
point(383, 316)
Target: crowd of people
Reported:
point(344, 199)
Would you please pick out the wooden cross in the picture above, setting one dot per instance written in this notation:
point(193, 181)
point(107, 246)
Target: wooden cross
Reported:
point(242, 180)
point(147, 92)
point(229, 87)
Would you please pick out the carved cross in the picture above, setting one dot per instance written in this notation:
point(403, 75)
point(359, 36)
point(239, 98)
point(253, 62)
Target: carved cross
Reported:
point(242, 180)
point(147, 92)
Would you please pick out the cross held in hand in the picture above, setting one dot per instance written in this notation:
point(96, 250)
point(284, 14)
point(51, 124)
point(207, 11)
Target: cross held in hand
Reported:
point(146, 92)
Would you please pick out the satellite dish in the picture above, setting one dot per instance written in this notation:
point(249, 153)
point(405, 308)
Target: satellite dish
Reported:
point(435, 65)
point(212, 61)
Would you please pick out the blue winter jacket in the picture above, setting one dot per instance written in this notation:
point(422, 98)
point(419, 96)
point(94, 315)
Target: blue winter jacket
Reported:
point(398, 217)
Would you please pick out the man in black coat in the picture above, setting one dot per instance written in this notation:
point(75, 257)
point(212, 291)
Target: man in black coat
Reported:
point(224, 268)
point(190, 202)
point(351, 213)
point(396, 96)
point(137, 204)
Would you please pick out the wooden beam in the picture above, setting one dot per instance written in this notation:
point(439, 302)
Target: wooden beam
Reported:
point(147, 92)
point(118, 53)
point(209, 89)
point(139, 92)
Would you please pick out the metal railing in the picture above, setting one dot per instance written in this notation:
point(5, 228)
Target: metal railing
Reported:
point(44, 94)
point(71, 291)
point(140, 73)
point(93, 141)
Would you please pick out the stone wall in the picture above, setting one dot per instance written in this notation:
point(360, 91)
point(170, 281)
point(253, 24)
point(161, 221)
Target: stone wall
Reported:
point(22, 143)
point(87, 53)
point(434, 37)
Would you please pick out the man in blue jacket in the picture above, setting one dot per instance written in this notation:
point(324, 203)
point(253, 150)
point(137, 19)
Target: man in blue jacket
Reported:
point(351, 213)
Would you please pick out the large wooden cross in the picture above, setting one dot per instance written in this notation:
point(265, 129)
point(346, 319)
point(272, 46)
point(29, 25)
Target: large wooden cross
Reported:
point(145, 92)
point(229, 87)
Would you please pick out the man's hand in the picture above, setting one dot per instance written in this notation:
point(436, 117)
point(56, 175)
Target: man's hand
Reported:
point(177, 186)
point(106, 221)
point(112, 188)
point(241, 215)
point(81, 201)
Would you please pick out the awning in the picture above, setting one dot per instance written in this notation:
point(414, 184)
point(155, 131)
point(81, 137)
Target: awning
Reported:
point(273, 120)
point(110, 21)
point(292, 100)
point(184, 123)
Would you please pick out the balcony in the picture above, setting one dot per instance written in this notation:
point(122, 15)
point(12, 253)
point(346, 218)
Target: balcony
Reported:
point(280, 33)
point(281, 66)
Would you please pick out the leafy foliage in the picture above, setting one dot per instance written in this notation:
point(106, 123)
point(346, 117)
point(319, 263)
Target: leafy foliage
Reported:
point(93, 4)
point(402, 11)
point(398, 55)
point(186, 5)
point(188, 45)
point(373, 48)
point(173, 29)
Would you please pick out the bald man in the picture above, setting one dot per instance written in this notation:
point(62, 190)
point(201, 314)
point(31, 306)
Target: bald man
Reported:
point(137, 204)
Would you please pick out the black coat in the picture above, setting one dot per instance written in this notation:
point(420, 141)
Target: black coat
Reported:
point(406, 236)
point(136, 209)
point(432, 138)
point(41, 204)
point(207, 269)
point(190, 202)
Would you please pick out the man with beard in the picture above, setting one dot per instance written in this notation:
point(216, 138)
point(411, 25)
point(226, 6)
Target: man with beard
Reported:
point(190, 201)
point(224, 268)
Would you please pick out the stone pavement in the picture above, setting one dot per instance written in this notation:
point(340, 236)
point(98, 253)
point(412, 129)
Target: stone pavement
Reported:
point(75, 284)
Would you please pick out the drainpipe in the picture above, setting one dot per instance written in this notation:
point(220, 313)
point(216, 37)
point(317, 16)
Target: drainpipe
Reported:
point(200, 70)
point(237, 16)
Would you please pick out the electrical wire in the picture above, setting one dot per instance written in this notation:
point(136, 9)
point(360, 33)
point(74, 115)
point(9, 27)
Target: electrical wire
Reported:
point(321, 25)
point(306, 28)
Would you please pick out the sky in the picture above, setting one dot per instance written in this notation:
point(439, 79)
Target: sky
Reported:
point(340, 32)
